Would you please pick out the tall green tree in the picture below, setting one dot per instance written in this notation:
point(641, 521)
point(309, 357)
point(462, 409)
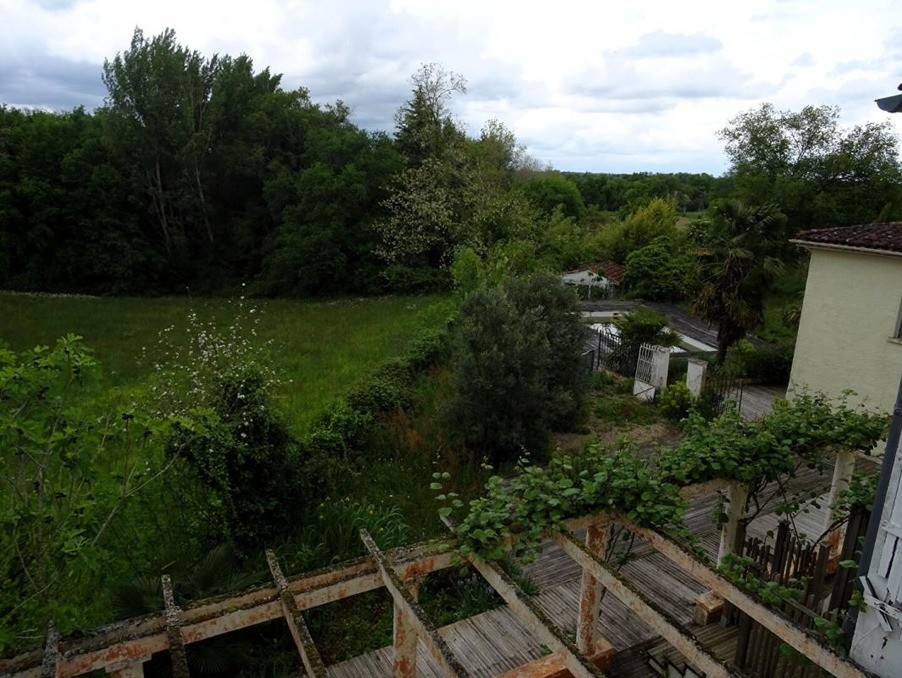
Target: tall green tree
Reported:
point(424, 127)
point(518, 372)
point(738, 261)
point(453, 191)
point(158, 94)
point(816, 171)
point(549, 191)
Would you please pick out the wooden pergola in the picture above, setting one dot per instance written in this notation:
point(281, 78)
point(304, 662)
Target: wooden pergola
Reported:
point(121, 648)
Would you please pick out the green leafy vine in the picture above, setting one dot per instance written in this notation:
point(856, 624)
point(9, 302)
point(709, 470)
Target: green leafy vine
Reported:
point(512, 515)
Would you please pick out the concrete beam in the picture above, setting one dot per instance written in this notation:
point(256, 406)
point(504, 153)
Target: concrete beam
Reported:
point(535, 619)
point(414, 619)
point(50, 663)
point(130, 639)
point(130, 668)
point(131, 671)
point(174, 631)
point(313, 663)
point(532, 616)
point(591, 590)
point(773, 620)
point(643, 607)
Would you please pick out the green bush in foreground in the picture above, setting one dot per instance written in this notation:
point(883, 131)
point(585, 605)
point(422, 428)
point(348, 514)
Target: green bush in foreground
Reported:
point(66, 472)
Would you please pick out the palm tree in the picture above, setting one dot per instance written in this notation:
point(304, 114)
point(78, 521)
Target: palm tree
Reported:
point(737, 265)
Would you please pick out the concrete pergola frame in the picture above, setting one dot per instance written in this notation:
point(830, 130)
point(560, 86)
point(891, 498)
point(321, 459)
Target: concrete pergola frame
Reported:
point(121, 648)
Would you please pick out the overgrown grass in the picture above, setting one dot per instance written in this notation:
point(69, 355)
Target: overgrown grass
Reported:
point(319, 348)
point(613, 403)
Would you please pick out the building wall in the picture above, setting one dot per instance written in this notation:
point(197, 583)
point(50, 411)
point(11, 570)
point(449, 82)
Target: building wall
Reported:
point(850, 312)
point(875, 648)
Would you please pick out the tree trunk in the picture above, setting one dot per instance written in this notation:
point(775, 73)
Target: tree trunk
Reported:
point(203, 204)
point(160, 206)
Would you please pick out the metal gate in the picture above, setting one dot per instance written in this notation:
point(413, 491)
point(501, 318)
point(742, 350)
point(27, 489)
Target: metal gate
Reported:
point(648, 369)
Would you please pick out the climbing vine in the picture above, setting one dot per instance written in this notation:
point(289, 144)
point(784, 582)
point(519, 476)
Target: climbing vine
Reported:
point(511, 516)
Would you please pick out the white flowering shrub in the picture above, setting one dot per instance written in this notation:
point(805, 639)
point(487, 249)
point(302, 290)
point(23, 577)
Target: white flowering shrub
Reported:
point(216, 389)
point(190, 366)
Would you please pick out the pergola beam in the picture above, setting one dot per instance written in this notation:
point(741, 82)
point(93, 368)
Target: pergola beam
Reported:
point(532, 616)
point(413, 621)
point(313, 663)
point(644, 608)
point(773, 620)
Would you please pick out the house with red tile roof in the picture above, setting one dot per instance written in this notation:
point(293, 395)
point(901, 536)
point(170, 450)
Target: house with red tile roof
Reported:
point(850, 330)
point(606, 274)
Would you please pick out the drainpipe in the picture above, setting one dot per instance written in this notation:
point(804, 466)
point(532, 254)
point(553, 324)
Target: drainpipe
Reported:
point(886, 471)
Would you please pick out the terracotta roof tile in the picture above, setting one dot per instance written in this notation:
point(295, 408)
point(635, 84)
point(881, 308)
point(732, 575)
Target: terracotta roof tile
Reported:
point(871, 236)
point(609, 269)
point(612, 271)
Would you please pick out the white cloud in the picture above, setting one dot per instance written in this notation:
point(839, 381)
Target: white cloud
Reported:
point(587, 86)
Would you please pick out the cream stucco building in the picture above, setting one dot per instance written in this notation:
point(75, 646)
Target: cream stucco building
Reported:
point(850, 331)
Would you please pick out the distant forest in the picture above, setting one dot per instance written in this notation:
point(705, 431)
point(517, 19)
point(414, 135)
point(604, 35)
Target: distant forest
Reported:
point(202, 173)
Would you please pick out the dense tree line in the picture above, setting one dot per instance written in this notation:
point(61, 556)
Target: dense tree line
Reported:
point(805, 163)
point(622, 193)
point(198, 172)
point(202, 173)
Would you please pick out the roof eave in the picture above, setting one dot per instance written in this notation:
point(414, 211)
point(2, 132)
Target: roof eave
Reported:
point(844, 248)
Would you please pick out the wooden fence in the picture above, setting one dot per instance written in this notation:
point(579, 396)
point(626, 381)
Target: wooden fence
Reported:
point(823, 595)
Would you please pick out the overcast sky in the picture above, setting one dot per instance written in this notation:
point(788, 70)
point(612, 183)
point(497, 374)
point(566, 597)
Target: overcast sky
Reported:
point(641, 86)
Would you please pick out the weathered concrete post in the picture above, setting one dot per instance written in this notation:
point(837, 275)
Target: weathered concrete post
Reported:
point(591, 590)
point(843, 468)
point(695, 375)
point(174, 631)
point(709, 606)
point(737, 496)
point(50, 666)
point(404, 634)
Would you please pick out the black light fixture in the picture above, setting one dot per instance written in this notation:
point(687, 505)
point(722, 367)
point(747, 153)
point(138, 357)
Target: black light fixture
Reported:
point(891, 104)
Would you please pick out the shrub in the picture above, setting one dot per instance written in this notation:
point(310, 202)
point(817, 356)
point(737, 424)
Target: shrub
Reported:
point(644, 325)
point(518, 371)
point(340, 434)
point(386, 389)
point(675, 401)
point(215, 390)
point(767, 365)
point(68, 467)
point(241, 450)
point(770, 365)
point(656, 272)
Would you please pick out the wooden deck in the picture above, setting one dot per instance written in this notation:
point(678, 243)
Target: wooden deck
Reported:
point(495, 641)
point(757, 401)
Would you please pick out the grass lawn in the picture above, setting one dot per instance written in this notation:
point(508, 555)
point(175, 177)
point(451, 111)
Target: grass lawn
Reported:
point(319, 347)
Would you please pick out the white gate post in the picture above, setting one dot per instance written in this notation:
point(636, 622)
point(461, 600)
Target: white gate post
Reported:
point(661, 362)
point(695, 375)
